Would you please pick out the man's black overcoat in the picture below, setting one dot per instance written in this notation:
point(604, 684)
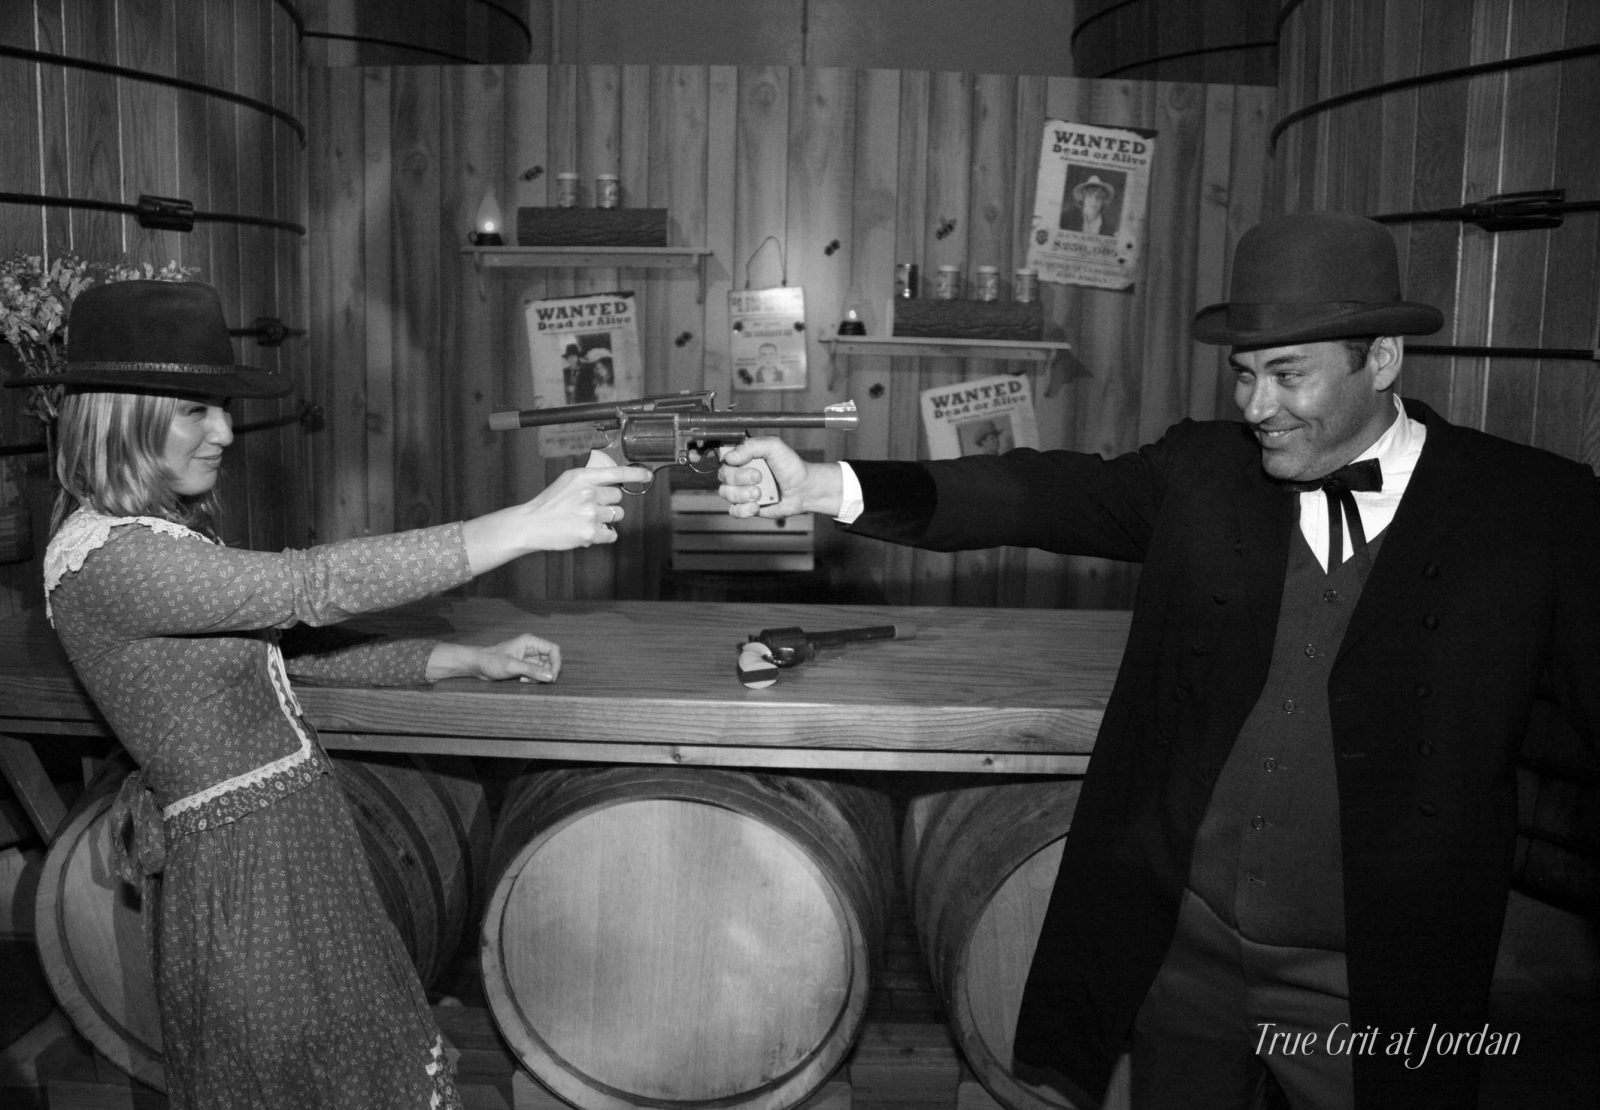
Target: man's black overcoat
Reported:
point(1487, 583)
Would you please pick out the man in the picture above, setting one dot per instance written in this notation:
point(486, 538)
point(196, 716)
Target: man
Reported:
point(768, 369)
point(1088, 213)
point(1300, 813)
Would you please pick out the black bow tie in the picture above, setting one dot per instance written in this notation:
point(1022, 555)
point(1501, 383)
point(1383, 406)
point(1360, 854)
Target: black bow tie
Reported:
point(1365, 476)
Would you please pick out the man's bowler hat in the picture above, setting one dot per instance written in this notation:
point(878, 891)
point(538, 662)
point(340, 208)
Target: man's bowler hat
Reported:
point(165, 337)
point(1314, 276)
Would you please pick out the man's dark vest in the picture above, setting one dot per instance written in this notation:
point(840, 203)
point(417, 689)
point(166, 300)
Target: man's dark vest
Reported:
point(1267, 857)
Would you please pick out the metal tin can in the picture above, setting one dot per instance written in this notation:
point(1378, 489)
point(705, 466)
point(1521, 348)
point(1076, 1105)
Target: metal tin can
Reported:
point(947, 286)
point(1025, 287)
point(607, 193)
point(987, 287)
point(566, 190)
point(905, 279)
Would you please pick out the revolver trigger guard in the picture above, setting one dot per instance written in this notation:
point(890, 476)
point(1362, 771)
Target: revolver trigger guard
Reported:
point(638, 489)
point(707, 463)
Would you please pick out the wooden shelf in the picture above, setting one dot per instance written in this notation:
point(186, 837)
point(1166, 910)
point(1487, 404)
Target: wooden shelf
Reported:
point(1019, 350)
point(583, 258)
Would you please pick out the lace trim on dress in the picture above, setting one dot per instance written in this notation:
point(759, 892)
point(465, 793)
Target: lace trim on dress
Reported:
point(85, 531)
point(79, 536)
point(444, 1095)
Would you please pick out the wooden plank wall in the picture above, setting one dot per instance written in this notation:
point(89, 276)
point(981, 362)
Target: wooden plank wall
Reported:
point(73, 132)
point(413, 346)
point(1449, 143)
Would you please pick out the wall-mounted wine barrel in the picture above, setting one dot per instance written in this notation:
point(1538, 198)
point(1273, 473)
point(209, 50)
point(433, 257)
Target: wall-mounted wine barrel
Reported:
point(979, 864)
point(106, 104)
point(426, 834)
point(1232, 42)
point(684, 937)
point(426, 32)
point(1400, 110)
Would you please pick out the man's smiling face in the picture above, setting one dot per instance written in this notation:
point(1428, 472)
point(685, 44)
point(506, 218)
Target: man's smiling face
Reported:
point(1311, 412)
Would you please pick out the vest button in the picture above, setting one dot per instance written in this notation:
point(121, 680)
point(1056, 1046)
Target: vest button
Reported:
point(1197, 649)
point(1424, 690)
point(1220, 598)
point(1425, 748)
point(1427, 809)
point(1311, 651)
point(1271, 764)
point(1431, 570)
point(1288, 705)
point(1330, 596)
point(1258, 822)
point(1430, 621)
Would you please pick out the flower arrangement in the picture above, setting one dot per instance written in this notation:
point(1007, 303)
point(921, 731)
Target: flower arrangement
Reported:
point(35, 300)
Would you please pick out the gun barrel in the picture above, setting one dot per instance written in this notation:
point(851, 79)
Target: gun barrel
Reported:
point(834, 418)
point(597, 412)
point(901, 631)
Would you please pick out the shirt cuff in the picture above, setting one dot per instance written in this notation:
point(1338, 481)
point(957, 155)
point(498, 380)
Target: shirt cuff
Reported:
point(851, 504)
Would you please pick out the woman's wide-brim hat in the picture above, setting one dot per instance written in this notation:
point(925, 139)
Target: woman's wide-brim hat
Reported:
point(167, 337)
point(1314, 276)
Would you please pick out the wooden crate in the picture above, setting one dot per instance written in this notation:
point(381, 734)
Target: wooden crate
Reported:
point(706, 538)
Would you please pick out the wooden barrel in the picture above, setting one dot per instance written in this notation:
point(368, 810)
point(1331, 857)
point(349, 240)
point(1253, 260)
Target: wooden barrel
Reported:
point(108, 103)
point(89, 926)
point(427, 32)
point(684, 937)
point(426, 833)
point(1228, 42)
point(1402, 109)
point(980, 862)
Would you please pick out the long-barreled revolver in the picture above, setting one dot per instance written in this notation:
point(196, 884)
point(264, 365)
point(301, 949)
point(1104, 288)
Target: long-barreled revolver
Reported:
point(675, 429)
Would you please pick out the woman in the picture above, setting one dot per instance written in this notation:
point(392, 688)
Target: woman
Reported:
point(280, 979)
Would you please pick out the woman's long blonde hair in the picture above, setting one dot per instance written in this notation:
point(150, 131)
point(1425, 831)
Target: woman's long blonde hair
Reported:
point(109, 450)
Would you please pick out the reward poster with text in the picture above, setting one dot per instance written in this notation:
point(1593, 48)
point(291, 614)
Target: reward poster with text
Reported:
point(1089, 207)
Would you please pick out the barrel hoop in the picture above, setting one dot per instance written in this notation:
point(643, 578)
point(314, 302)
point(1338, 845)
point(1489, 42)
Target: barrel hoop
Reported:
point(1461, 72)
point(66, 60)
point(1179, 55)
point(1090, 20)
point(448, 55)
point(133, 210)
point(294, 15)
point(527, 32)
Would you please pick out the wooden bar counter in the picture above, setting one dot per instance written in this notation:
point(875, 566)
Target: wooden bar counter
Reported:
point(990, 690)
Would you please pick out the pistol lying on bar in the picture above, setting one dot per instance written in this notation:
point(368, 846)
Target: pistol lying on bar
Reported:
point(761, 656)
point(675, 429)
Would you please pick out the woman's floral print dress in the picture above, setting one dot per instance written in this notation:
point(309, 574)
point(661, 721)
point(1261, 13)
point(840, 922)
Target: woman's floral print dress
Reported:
point(281, 982)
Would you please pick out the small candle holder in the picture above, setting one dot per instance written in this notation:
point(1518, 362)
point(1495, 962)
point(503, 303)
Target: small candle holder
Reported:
point(487, 231)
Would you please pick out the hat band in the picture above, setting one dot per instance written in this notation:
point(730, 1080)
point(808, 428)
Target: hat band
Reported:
point(102, 366)
point(1261, 317)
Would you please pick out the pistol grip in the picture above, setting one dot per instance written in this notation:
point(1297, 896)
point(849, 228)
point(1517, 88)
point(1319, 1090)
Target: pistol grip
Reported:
point(769, 484)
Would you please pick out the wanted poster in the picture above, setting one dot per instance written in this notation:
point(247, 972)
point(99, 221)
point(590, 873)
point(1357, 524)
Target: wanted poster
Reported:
point(989, 416)
point(582, 350)
point(1090, 204)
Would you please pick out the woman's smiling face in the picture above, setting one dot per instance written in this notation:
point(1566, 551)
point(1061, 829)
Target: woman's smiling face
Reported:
point(200, 430)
